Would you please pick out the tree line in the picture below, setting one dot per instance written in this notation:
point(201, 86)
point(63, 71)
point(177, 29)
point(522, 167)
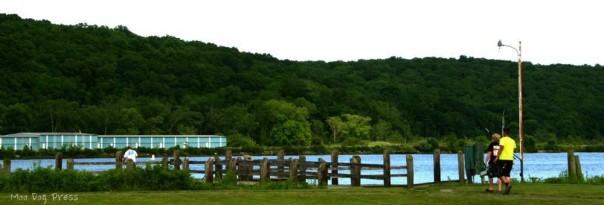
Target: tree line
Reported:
point(95, 79)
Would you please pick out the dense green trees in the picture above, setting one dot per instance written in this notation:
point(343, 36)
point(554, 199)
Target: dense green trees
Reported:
point(350, 126)
point(103, 80)
point(283, 124)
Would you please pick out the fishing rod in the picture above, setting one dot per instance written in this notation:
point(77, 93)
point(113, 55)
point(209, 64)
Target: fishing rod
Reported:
point(502, 121)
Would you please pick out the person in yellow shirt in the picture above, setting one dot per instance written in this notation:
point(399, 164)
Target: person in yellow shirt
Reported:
point(505, 159)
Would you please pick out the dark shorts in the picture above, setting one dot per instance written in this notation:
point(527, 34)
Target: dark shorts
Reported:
point(506, 167)
point(493, 171)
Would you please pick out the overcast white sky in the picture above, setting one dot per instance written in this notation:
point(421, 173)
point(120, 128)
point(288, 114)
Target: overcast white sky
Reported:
point(553, 31)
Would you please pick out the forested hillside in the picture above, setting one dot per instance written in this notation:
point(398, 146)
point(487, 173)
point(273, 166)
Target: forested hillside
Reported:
point(95, 79)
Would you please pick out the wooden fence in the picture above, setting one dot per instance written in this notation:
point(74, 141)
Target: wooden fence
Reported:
point(248, 169)
point(300, 169)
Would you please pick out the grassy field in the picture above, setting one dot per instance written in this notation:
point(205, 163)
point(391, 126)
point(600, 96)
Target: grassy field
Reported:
point(433, 194)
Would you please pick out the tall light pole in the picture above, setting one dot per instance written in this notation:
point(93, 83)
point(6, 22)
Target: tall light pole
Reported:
point(520, 118)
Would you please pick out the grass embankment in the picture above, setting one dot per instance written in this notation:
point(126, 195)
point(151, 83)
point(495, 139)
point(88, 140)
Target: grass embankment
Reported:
point(536, 193)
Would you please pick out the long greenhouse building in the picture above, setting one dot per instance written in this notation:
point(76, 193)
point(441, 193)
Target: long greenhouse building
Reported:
point(55, 140)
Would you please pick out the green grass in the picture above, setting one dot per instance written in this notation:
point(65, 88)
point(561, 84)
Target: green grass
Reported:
point(435, 194)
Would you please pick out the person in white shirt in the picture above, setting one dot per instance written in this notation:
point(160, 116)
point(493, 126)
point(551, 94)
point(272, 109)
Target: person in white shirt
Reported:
point(130, 154)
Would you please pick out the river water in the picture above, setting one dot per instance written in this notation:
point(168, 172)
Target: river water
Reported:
point(536, 165)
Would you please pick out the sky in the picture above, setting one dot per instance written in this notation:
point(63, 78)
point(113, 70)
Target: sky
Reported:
point(551, 32)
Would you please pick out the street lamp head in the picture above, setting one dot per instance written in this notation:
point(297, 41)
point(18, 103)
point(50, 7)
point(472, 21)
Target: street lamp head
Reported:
point(499, 43)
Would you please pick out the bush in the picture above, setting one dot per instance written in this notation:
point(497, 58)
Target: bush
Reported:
point(352, 141)
point(252, 150)
point(48, 180)
point(7, 153)
point(599, 180)
point(595, 148)
point(228, 181)
point(530, 145)
point(564, 178)
point(296, 150)
point(150, 177)
point(319, 149)
point(454, 145)
point(405, 149)
point(552, 146)
point(239, 140)
point(44, 180)
point(424, 147)
point(25, 152)
point(378, 149)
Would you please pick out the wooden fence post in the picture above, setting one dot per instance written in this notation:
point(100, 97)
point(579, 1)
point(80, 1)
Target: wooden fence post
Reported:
point(69, 163)
point(209, 173)
point(334, 166)
point(265, 170)
point(572, 171)
point(410, 171)
point(185, 165)
point(164, 161)
point(118, 160)
point(302, 166)
point(460, 166)
point(176, 157)
point(280, 159)
point(6, 166)
point(218, 167)
point(322, 172)
point(228, 155)
point(437, 166)
point(249, 167)
point(58, 161)
point(293, 169)
point(578, 167)
point(355, 171)
point(387, 179)
point(241, 169)
point(232, 165)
